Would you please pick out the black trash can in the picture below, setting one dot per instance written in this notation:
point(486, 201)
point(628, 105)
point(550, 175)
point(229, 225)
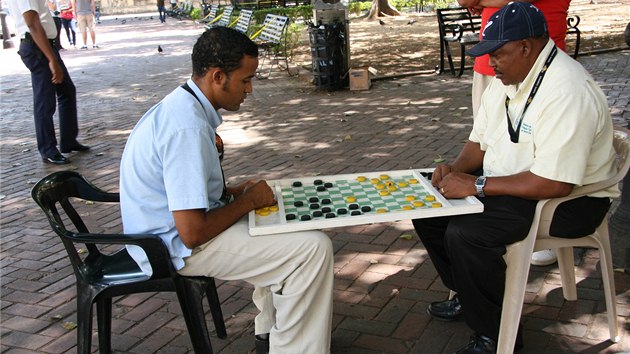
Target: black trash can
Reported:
point(327, 48)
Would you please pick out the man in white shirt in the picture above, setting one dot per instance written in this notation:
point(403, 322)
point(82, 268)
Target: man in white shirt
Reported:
point(50, 80)
point(542, 128)
point(172, 184)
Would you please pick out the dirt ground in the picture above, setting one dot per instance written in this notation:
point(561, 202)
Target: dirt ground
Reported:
point(397, 47)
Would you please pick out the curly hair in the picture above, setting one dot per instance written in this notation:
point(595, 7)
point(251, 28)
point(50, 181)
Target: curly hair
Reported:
point(221, 47)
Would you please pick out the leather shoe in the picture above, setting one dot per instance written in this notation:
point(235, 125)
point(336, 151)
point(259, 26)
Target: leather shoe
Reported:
point(57, 159)
point(479, 344)
point(262, 343)
point(449, 310)
point(75, 147)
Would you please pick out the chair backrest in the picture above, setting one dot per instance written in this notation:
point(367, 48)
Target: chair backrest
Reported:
point(225, 16)
point(457, 19)
point(273, 28)
point(57, 189)
point(244, 19)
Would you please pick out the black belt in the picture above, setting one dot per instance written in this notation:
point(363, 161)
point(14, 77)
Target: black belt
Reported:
point(29, 40)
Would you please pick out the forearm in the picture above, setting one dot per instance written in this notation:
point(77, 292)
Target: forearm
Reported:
point(526, 185)
point(196, 227)
point(470, 159)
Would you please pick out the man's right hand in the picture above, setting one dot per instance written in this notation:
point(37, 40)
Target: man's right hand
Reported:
point(57, 72)
point(439, 173)
point(259, 194)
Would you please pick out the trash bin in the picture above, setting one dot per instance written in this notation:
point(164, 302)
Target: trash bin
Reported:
point(327, 48)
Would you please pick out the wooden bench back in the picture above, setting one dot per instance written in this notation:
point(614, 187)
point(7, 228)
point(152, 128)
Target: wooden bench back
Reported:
point(273, 28)
point(244, 19)
point(225, 16)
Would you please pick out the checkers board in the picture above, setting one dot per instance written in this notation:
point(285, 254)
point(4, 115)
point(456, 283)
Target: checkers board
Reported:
point(311, 203)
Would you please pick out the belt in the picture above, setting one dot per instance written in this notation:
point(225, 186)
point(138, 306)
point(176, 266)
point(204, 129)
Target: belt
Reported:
point(29, 40)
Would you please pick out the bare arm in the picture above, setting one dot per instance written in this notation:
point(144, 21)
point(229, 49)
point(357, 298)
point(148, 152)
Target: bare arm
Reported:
point(35, 28)
point(456, 180)
point(196, 227)
point(487, 3)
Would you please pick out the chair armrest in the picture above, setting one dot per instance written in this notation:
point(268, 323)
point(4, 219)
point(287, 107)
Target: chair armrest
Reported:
point(152, 245)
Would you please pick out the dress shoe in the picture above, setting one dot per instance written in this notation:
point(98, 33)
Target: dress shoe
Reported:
point(57, 159)
point(75, 147)
point(449, 310)
point(262, 343)
point(479, 344)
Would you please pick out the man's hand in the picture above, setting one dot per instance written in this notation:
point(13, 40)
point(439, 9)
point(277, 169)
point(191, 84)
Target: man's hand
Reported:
point(439, 173)
point(457, 185)
point(259, 194)
point(57, 72)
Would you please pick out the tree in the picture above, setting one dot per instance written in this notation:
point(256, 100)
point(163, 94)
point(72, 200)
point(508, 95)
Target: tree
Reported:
point(381, 8)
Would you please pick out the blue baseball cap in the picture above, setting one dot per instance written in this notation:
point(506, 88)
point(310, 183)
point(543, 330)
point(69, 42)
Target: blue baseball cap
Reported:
point(513, 22)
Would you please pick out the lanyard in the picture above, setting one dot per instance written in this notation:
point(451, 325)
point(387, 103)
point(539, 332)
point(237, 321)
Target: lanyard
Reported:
point(515, 134)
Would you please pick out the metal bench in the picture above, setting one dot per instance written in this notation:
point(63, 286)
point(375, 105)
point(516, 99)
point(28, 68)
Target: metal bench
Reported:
point(243, 21)
point(272, 44)
point(457, 26)
point(572, 29)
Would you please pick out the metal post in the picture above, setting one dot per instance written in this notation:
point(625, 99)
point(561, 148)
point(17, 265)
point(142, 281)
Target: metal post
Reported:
point(6, 36)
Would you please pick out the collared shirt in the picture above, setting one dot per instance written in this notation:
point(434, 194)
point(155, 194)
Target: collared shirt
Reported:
point(19, 7)
point(566, 134)
point(170, 163)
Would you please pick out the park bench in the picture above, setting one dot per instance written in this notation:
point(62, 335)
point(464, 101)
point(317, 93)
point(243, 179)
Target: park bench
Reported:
point(243, 21)
point(460, 26)
point(572, 29)
point(457, 26)
point(211, 16)
point(272, 44)
point(223, 20)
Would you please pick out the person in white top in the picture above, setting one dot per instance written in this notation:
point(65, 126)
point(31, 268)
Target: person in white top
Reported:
point(172, 185)
point(543, 127)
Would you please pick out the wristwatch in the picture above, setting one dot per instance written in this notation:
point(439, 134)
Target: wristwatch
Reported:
point(479, 184)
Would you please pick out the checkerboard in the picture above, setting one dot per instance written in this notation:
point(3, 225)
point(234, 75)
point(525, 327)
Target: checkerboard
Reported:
point(319, 202)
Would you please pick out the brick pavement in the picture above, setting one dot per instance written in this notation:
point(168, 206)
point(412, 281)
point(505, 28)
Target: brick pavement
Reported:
point(383, 282)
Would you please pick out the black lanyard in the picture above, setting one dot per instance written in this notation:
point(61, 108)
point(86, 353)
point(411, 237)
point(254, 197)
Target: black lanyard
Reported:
point(515, 134)
point(225, 196)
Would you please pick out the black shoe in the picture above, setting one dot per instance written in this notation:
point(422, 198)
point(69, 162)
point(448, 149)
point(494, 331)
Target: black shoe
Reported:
point(75, 147)
point(262, 343)
point(479, 344)
point(449, 310)
point(57, 159)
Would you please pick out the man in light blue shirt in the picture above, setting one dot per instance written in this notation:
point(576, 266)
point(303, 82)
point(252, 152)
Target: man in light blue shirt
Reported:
point(172, 185)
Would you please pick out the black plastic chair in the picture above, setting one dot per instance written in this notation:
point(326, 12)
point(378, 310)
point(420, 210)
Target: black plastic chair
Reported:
point(100, 276)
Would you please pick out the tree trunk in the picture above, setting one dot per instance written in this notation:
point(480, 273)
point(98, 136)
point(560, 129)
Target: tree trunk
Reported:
point(619, 229)
point(381, 8)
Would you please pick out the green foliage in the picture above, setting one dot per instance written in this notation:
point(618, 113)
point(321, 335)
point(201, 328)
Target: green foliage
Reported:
point(358, 7)
point(196, 14)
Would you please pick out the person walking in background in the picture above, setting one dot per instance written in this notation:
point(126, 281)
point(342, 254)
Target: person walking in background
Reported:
point(54, 11)
point(50, 80)
point(555, 12)
point(84, 11)
point(161, 10)
point(67, 17)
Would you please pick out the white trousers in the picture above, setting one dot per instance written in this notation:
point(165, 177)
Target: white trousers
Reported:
point(479, 84)
point(292, 274)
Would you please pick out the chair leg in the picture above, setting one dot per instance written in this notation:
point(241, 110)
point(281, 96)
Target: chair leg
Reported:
point(517, 258)
point(215, 310)
point(462, 60)
point(608, 279)
point(84, 320)
point(450, 58)
point(567, 272)
point(104, 320)
point(190, 293)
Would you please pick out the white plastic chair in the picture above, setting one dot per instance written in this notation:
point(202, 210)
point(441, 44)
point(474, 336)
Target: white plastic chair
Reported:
point(519, 254)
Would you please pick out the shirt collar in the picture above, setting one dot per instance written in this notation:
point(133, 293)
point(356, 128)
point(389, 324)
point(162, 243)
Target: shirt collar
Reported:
point(214, 117)
point(525, 86)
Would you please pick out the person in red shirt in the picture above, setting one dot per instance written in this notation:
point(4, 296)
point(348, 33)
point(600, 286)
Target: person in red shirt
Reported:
point(67, 15)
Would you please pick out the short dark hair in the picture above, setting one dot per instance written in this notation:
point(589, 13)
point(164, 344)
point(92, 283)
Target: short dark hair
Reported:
point(221, 47)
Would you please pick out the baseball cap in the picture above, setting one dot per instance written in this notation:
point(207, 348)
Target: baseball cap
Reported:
point(514, 21)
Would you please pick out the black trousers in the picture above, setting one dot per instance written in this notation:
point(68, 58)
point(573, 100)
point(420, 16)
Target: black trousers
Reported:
point(467, 250)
